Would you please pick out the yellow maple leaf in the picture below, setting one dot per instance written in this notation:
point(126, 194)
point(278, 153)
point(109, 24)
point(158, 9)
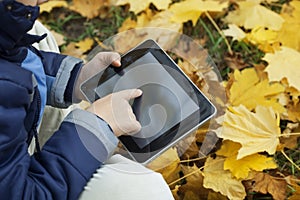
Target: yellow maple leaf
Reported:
point(256, 132)
point(48, 6)
point(265, 39)
point(249, 90)
point(289, 34)
point(241, 168)
point(215, 178)
point(138, 6)
point(284, 64)
point(158, 28)
point(235, 32)
point(88, 8)
point(192, 9)
point(85, 45)
point(168, 164)
point(251, 14)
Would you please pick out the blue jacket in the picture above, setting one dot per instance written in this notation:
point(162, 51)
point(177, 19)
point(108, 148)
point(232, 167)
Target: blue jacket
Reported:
point(29, 79)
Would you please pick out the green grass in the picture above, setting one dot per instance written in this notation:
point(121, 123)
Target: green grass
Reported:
point(75, 28)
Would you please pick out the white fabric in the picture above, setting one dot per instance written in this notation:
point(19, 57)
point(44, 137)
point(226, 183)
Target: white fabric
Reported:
point(123, 179)
point(120, 178)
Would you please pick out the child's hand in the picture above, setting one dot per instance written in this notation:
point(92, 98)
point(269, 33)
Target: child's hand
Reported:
point(99, 63)
point(117, 112)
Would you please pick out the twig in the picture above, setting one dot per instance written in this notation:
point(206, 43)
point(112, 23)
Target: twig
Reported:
point(219, 31)
point(192, 160)
point(187, 175)
point(290, 160)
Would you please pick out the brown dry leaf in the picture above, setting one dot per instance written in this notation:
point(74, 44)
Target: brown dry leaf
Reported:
point(175, 192)
point(247, 89)
point(256, 132)
point(294, 182)
point(215, 196)
point(293, 112)
point(187, 148)
point(88, 8)
point(168, 164)
point(194, 183)
point(265, 183)
point(215, 178)
point(241, 168)
point(291, 141)
point(235, 61)
point(48, 6)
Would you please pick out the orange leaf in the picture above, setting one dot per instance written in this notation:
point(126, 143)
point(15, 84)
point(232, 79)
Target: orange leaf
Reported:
point(88, 8)
point(265, 183)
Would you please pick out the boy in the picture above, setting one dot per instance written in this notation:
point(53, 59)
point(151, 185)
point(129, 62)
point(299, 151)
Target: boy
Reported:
point(28, 80)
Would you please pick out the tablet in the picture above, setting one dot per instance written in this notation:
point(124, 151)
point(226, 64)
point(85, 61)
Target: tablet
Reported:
point(170, 108)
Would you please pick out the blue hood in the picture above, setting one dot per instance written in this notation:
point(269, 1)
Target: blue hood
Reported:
point(16, 20)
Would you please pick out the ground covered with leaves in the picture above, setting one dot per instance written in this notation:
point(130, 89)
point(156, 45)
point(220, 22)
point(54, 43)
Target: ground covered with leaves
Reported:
point(250, 150)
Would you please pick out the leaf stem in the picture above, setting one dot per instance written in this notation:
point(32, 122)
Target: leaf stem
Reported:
point(192, 160)
point(219, 31)
point(290, 160)
point(187, 175)
point(288, 134)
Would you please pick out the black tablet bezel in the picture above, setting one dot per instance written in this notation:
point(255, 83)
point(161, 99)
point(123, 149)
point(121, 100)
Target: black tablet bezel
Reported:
point(170, 137)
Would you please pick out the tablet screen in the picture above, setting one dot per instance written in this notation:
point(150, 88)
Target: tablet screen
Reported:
point(170, 108)
point(164, 102)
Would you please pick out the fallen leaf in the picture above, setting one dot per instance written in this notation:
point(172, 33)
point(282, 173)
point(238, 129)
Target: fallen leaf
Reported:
point(139, 6)
point(59, 38)
point(235, 32)
point(187, 148)
point(235, 61)
point(265, 39)
point(265, 183)
point(291, 14)
point(168, 164)
point(127, 24)
point(215, 196)
point(241, 168)
point(72, 50)
point(194, 183)
point(284, 64)
point(88, 8)
point(249, 90)
point(256, 132)
point(294, 182)
point(49, 5)
point(85, 45)
point(215, 178)
point(192, 9)
point(158, 28)
point(175, 192)
point(251, 14)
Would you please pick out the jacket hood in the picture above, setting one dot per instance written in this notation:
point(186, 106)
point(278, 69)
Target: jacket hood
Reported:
point(16, 20)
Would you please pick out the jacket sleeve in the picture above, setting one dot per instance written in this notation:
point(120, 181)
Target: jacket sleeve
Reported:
point(61, 73)
point(67, 160)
